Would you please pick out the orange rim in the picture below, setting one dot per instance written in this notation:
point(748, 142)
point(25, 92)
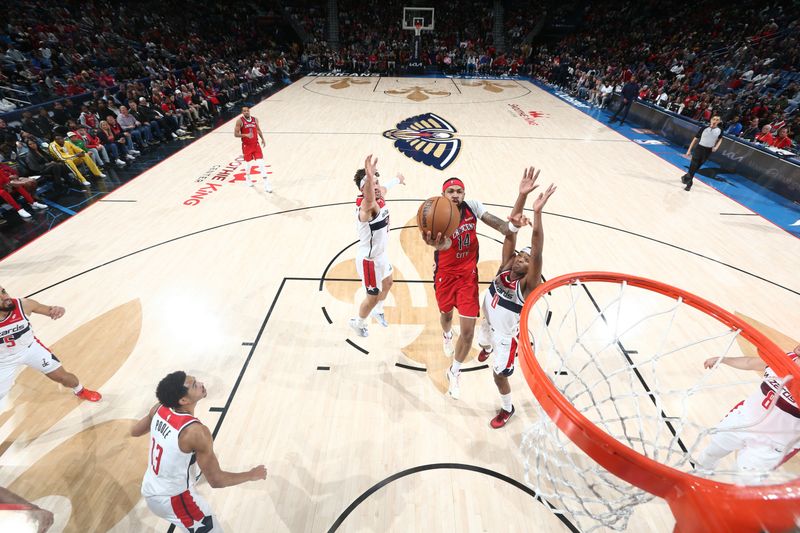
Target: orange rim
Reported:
point(698, 504)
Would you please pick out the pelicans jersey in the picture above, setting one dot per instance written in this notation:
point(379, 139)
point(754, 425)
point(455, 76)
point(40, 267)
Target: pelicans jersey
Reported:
point(251, 150)
point(462, 256)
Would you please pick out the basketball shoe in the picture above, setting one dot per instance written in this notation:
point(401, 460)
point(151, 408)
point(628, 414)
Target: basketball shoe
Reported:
point(380, 318)
point(502, 418)
point(452, 388)
point(88, 395)
point(484, 355)
point(267, 186)
point(359, 327)
point(447, 344)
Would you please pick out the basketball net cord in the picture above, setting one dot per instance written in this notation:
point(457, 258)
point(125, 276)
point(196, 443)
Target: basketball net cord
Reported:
point(631, 402)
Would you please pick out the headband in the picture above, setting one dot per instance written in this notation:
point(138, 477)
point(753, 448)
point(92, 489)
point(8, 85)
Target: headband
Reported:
point(526, 250)
point(364, 180)
point(452, 181)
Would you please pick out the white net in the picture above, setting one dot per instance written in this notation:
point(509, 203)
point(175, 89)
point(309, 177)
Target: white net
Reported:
point(632, 362)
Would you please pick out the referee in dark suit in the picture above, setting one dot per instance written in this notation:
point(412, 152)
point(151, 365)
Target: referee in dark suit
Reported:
point(706, 141)
point(630, 92)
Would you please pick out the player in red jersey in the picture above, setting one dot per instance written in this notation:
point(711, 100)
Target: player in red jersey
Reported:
point(18, 346)
point(179, 443)
point(455, 277)
point(249, 131)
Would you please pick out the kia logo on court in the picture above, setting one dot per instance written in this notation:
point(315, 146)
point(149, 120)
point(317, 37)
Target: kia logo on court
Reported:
point(428, 139)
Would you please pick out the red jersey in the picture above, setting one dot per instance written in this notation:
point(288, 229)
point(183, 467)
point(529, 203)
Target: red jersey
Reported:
point(462, 256)
point(249, 127)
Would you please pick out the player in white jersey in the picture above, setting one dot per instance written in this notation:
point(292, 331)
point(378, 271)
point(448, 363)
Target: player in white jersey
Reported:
point(372, 259)
point(519, 274)
point(764, 428)
point(177, 441)
point(19, 346)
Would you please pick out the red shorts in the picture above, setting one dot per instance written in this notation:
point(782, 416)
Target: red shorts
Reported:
point(251, 152)
point(457, 290)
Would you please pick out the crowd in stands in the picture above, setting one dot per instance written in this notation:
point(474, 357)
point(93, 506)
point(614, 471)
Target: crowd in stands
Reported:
point(737, 60)
point(154, 74)
point(372, 39)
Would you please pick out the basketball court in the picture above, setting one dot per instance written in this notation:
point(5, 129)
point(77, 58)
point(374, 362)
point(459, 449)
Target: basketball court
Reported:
point(188, 268)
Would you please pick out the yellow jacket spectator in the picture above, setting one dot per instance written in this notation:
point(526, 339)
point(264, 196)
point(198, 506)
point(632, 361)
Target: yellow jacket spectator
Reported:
point(71, 155)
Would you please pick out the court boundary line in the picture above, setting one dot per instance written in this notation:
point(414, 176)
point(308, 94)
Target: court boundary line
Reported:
point(337, 204)
point(449, 466)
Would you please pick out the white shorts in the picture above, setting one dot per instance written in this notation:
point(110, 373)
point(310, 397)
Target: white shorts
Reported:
point(36, 356)
point(373, 271)
point(188, 511)
point(504, 348)
point(754, 449)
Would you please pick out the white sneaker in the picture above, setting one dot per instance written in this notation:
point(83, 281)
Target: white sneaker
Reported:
point(23, 213)
point(173, 135)
point(267, 186)
point(353, 323)
point(119, 163)
point(448, 346)
point(102, 175)
point(129, 157)
point(38, 205)
point(452, 384)
point(380, 318)
point(134, 152)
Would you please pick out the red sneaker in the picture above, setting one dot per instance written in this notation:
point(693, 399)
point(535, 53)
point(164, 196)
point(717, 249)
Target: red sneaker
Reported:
point(89, 395)
point(484, 355)
point(502, 418)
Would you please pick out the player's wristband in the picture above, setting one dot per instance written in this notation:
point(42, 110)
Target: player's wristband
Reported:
point(512, 228)
point(391, 183)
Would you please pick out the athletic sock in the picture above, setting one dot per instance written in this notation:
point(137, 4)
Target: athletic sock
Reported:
point(505, 400)
point(77, 389)
point(378, 309)
point(455, 368)
point(448, 334)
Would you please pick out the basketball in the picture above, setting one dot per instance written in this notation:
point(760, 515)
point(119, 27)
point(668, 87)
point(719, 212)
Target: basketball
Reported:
point(438, 215)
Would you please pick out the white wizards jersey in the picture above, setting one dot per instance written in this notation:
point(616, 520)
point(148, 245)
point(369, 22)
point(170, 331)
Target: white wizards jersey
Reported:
point(502, 304)
point(781, 422)
point(373, 235)
point(169, 470)
point(16, 333)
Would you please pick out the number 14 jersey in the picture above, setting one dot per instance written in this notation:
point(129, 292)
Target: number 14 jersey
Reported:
point(462, 256)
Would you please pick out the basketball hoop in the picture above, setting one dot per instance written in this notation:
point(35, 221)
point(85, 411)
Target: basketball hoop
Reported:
point(596, 405)
point(417, 28)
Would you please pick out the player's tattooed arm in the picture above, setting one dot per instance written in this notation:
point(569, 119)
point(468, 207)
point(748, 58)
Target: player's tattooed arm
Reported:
point(142, 426)
point(496, 223)
point(32, 306)
point(237, 128)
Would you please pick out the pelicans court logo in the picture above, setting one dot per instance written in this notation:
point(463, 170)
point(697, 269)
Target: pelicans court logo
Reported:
point(428, 139)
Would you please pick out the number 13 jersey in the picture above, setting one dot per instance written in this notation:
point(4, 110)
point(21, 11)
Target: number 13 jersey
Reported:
point(169, 470)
